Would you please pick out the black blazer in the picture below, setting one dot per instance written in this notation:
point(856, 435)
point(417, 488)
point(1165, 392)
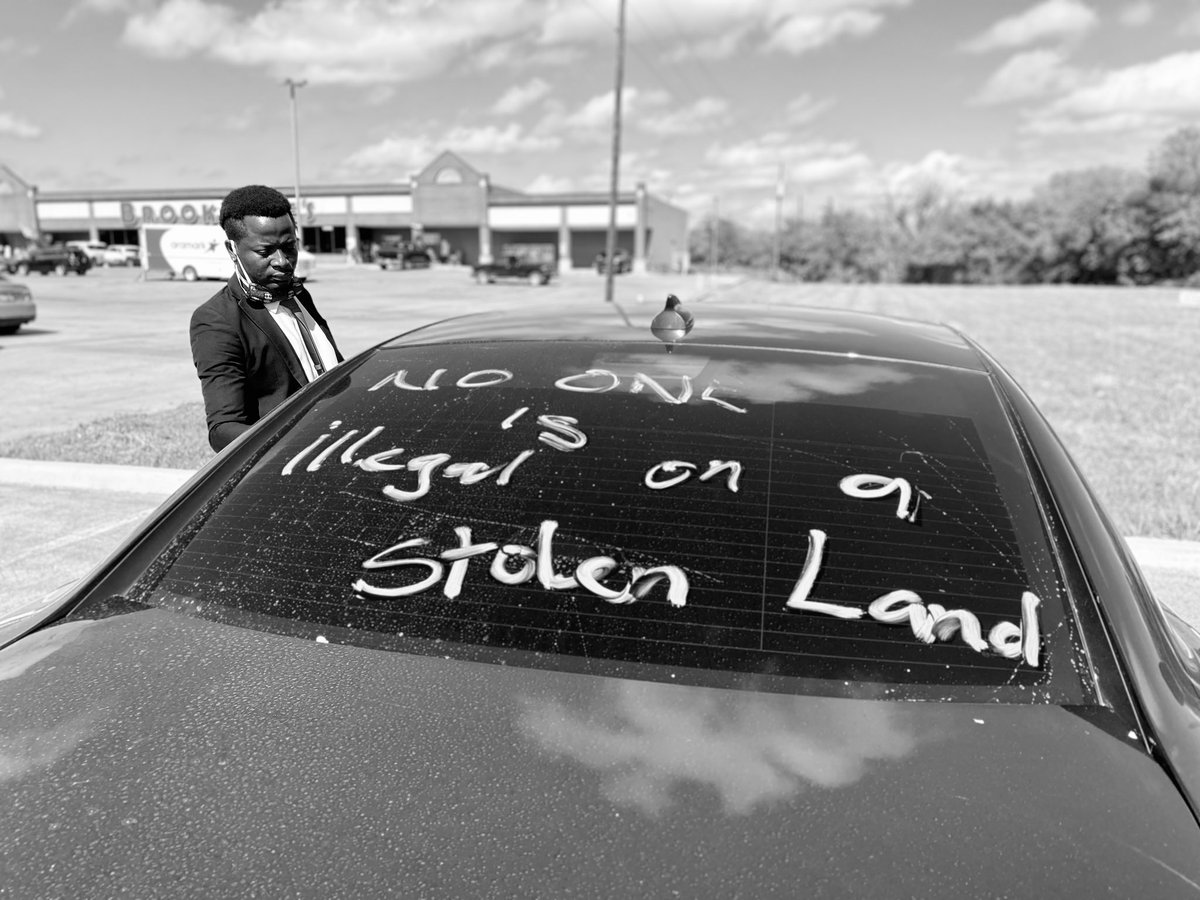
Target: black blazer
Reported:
point(246, 365)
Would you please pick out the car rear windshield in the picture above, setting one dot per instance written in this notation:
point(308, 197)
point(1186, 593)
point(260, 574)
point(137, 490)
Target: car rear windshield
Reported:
point(780, 520)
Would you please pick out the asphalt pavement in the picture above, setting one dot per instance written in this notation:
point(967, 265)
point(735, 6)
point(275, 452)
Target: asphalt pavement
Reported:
point(109, 343)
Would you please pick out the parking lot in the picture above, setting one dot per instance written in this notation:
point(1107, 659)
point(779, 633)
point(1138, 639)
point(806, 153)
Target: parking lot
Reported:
point(109, 342)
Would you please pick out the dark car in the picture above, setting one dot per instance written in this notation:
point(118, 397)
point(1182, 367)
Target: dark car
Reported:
point(803, 604)
point(401, 256)
point(511, 268)
point(622, 263)
point(54, 258)
point(16, 306)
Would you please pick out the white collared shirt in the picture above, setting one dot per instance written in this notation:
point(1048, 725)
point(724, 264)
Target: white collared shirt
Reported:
point(291, 330)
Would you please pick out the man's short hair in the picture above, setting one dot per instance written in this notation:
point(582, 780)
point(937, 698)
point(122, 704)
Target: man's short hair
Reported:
point(251, 200)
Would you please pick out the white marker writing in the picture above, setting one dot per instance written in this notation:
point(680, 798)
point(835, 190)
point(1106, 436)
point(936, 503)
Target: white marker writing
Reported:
point(348, 456)
point(1011, 641)
point(928, 623)
point(508, 423)
point(291, 464)
point(600, 381)
point(654, 481)
point(808, 576)
point(563, 434)
point(708, 395)
point(466, 473)
point(391, 460)
point(400, 380)
point(539, 563)
point(477, 379)
point(684, 395)
point(868, 487)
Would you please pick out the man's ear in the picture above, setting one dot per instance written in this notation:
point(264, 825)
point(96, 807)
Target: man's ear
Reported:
point(231, 247)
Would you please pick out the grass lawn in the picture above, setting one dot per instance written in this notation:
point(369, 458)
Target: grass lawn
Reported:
point(1113, 370)
point(176, 439)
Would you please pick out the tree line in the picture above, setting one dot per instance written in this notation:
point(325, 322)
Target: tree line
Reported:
point(1102, 225)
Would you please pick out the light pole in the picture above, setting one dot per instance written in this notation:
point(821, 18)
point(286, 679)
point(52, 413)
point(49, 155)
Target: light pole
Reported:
point(610, 243)
point(776, 250)
point(292, 84)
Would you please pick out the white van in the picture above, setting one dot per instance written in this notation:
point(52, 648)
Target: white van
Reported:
point(192, 252)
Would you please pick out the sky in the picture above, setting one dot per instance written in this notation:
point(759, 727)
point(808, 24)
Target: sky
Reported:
point(742, 107)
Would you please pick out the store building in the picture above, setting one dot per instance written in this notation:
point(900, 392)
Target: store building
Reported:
point(448, 205)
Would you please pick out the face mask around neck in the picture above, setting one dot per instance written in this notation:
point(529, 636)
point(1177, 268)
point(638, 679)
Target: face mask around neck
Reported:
point(255, 291)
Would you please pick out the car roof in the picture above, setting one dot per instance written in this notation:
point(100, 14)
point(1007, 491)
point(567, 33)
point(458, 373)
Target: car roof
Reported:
point(744, 324)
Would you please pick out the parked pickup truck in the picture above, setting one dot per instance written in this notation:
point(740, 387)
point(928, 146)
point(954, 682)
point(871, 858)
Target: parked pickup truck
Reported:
point(401, 255)
point(514, 267)
point(54, 258)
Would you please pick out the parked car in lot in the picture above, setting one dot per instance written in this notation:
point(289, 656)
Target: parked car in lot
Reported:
point(56, 258)
point(16, 306)
point(93, 249)
point(622, 262)
point(813, 605)
point(401, 255)
point(122, 255)
point(513, 267)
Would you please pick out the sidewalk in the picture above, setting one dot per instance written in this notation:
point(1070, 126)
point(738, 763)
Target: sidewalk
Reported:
point(58, 520)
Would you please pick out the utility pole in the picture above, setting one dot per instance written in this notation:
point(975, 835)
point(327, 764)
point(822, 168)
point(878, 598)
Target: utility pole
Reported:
point(292, 84)
point(611, 240)
point(712, 238)
point(776, 252)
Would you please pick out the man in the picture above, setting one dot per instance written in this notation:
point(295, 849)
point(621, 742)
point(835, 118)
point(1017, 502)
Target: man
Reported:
point(260, 338)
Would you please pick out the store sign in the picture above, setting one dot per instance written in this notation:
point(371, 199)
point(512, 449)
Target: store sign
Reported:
point(197, 213)
point(170, 214)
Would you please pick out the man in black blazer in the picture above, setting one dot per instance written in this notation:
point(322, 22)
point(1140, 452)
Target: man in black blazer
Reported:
point(260, 338)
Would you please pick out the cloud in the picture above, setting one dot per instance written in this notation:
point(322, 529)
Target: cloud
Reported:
point(646, 742)
point(717, 29)
point(179, 28)
point(15, 126)
point(1033, 73)
point(546, 183)
point(518, 53)
point(521, 96)
point(396, 41)
point(949, 172)
point(81, 8)
point(333, 42)
point(1136, 14)
point(804, 109)
point(717, 47)
point(1053, 20)
point(494, 139)
point(799, 34)
point(12, 48)
point(746, 175)
point(758, 159)
point(105, 6)
point(395, 158)
point(705, 114)
point(1144, 95)
point(596, 115)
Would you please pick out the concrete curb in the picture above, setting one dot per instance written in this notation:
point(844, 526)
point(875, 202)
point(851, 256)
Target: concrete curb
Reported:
point(1150, 552)
point(93, 476)
point(1163, 553)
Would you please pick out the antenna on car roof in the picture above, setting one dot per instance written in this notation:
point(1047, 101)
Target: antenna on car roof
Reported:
point(670, 325)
